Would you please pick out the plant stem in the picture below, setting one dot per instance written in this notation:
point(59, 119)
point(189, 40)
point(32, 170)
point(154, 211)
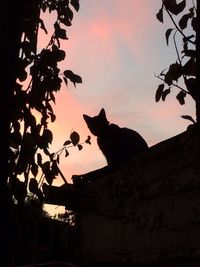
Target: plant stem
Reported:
point(175, 24)
point(176, 85)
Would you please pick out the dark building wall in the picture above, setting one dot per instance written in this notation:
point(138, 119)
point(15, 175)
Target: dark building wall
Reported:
point(148, 211)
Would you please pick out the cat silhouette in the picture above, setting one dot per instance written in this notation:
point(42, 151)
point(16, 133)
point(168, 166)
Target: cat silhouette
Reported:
point(118, 145)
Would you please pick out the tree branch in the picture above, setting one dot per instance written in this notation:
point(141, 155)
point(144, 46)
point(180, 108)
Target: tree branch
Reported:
point(175, 24)
point(175, 85)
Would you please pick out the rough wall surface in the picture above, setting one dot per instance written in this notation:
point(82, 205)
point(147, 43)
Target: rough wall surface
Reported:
point(149, 210)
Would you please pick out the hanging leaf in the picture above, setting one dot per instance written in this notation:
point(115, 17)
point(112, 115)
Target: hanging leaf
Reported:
point(159, 92)
point(74, 78)
point(54, 168)
point(181, 6)
point(183, 21)
point(174, 73)
point(167, 35)
point(80, 147)
point(75, 4)
point(43, 26)
point(159, 15)
point(69, 14)
point(34, 169)
point(190, 67)
point(194, 23)
point(48, 135)
point(59, 32)
point(46, 166)
point(67, 142)
point(66, 153)
point(75, 138)
point(173, 7)
point(65, 80)
point(87, 141)
point(39, 159)
point(33, 186)
point(165, 93)
point(187, 117)
point(53, 117)
point(190, 53)
point(49, 176)
point(181, 97)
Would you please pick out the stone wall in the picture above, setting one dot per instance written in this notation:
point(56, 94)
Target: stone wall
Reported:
point(149, 210)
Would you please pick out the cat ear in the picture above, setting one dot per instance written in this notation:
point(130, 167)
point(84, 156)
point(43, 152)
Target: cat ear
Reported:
point(102, 113)
point(86, 118)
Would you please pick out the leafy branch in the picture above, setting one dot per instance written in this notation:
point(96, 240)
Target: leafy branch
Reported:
point(32, 109)
point(50, 168)
point(183, 70)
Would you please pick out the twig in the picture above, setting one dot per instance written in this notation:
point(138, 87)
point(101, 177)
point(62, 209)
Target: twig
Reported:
point(175, 24)
point(176, 85)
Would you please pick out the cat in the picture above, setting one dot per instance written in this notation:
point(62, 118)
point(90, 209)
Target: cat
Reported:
point(118, 145)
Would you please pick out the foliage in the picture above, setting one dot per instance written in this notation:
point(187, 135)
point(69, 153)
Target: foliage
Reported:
point(181, 74)
point(38, 80)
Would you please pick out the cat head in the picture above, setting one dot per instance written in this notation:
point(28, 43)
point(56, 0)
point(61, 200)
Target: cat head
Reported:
point(97, 124)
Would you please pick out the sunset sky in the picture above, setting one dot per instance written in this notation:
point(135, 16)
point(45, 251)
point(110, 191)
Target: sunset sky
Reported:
point(116, 47)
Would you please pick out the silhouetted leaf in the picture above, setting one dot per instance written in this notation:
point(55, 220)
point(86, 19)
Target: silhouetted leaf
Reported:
point(65, 80)
point(43, 6)
point(181, 97)
point(183, 21)
point(167, 35)
point(181, 6)
point(159, 92)
point(22, 75)
point(58, 54)
point(173, 7)
point(66, 21)
point(53, 117)
point(66, 153)
point(192, 87)
point(54, 168)
point(34, 169)
point(46, 151)
point(75, 4)
point(165, 93)
point(40, 195)
point(194, 23)
point(174, 73)
point(159, 15)
point(67, 142)
point(39, 159)
point(69, 13)
point(74, 78)
point(43, 26)
point(19, 190)
point(74, 136)
point(190, 53)
point(48, 136)
point(46, 166)
point(49, 176)
point(80, 147)
point(187, 117)
point(15, 139)
point(52, 97)
point(190, 67)
point(33, 186)
point(59, 32)
point(49, 107)
point(87, 141)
